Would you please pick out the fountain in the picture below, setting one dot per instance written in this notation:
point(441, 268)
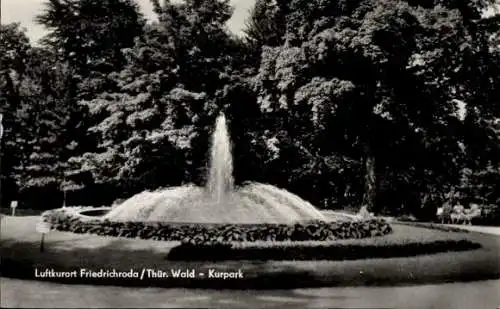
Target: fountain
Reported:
point(220, 181)
point(219, 201)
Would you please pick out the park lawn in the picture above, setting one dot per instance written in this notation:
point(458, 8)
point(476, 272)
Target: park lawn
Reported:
point(20, 212)
point(19, 249)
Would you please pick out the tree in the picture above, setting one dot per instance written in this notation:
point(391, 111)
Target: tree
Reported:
point(14, 49)
point(83, 46)
point(153, 122)
point(44, 141)
point(398, 116)
point(90, 34)
point(266, 25)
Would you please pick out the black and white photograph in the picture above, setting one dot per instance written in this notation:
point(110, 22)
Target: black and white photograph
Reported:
point(250, 154)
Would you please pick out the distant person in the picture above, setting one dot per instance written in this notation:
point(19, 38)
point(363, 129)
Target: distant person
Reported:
point(444, 213)
point(473, 212)
point(457, 214)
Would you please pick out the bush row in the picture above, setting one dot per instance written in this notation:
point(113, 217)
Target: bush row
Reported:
point(201, 233)
point(332, 251)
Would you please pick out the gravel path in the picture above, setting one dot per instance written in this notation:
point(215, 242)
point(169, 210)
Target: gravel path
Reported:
point(494, 230)
point(35, 294)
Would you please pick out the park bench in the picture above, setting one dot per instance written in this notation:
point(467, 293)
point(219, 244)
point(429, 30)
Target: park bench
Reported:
point(458, 214)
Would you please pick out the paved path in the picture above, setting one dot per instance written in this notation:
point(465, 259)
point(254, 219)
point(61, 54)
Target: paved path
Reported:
point(25, 294)
point(476, 228)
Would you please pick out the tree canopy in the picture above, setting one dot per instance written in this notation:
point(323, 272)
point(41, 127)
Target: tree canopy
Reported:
point(390, 104)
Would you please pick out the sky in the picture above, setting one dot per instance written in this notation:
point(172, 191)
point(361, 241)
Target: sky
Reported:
point(24, 12)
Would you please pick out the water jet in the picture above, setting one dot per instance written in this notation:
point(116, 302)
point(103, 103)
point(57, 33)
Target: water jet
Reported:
point(219, 201)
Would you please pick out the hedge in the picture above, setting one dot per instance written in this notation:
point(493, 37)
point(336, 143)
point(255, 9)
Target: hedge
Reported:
point(200, 233)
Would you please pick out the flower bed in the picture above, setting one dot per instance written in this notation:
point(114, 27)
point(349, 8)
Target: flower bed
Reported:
point(200, 233)
point(301, 251)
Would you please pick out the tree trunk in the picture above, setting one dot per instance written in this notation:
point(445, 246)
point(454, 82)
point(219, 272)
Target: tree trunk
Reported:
point(370, 184)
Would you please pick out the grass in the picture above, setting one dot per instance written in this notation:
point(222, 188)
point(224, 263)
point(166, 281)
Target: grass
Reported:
point(19, 249)
point(20, 212)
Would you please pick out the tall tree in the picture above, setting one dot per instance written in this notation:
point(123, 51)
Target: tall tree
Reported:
point(379, 81)
point(90, 34)
point(152, 125)
point(14, 49)
point(46, 138)
point(85, 42)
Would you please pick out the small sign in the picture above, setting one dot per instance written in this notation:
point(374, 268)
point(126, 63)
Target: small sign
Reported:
point(13, 206)
point(43, 227)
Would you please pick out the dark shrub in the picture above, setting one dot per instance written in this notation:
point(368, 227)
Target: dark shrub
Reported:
point(490, 216)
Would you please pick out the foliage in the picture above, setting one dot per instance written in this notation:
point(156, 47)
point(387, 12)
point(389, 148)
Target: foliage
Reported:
point(266, 25)
point(49, 126)
point(379, 80)
point(14, 49)
point(161, 103)
point(341, 102)
point(91, 33)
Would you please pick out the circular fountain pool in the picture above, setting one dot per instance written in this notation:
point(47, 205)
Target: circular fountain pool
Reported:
point(253, 203)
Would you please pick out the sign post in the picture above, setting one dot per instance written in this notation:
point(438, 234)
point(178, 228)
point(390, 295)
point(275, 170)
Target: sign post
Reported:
point(13, 206)
point(1, 131)
point(42, 228)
